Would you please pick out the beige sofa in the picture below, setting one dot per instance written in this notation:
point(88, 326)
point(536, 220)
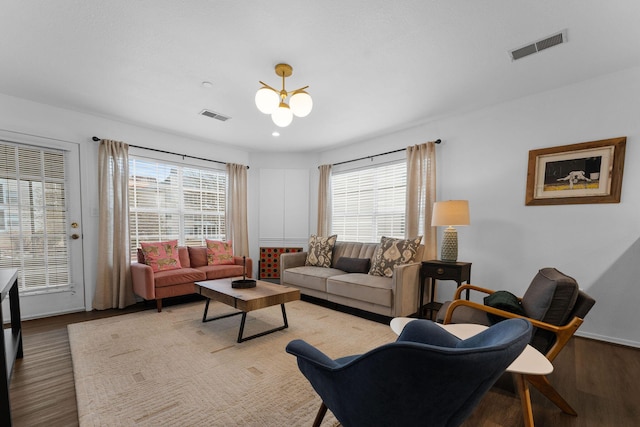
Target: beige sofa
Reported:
point(389, 296)
point(171, 283)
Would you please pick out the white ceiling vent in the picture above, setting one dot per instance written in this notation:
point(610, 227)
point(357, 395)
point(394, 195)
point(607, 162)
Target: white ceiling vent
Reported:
point(214, 115)
point(539, 45)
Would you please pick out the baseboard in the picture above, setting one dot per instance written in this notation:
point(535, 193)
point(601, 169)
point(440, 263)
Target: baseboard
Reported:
point(611, 340)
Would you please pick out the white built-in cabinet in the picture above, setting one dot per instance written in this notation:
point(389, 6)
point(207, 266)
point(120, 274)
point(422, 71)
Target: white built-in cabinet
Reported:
point(284, 207)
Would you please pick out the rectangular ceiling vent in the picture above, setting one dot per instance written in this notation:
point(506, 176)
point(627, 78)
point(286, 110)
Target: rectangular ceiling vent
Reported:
point(539, 45)
point(214, 115)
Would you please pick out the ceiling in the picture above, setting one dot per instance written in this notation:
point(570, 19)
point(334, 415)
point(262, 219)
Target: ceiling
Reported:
point(373, 67)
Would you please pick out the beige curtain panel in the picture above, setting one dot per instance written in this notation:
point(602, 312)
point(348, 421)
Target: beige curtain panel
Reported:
point(324, 201)
point(236, 228)
point(421, 194)
point(113, 284)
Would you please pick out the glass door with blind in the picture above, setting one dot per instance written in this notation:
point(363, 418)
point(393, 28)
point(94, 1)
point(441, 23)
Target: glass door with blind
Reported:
point(40, 227)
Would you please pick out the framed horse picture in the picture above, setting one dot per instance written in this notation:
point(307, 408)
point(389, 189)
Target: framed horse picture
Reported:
point(588, 172)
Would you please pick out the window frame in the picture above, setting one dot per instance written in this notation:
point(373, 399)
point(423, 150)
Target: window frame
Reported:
point(182, 211)
point(397, 159)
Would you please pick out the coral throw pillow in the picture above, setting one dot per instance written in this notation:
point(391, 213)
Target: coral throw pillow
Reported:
point(219, 253)
point(392, 252)
point(161, 256)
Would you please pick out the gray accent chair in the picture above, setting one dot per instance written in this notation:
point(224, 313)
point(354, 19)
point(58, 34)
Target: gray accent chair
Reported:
point(553, 303)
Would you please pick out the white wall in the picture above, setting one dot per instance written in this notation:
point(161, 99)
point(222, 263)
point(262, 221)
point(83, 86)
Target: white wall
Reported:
point(483, 158)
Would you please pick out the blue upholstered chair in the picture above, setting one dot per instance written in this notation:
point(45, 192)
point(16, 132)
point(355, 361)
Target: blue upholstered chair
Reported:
point(427, 377)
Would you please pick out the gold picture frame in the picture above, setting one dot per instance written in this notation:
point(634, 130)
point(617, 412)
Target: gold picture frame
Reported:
point(588, 172)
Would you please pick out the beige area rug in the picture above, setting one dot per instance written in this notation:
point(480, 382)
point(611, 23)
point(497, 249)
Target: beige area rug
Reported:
point(170, 369)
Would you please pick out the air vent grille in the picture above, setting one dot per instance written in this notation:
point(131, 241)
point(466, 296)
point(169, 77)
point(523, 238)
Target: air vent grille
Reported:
point(214, 115)
point(539, 45)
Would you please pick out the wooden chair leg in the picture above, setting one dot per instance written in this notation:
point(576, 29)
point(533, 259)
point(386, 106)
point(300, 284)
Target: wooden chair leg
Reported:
point(159, 304)
point(544, 386)
point(525, 399)
point(320, 415)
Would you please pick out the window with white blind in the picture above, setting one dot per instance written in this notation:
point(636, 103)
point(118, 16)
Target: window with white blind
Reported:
point(33, 217)
point(169, 201)
point(369, 203)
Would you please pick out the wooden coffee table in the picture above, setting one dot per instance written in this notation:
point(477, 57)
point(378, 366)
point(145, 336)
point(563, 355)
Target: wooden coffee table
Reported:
point(265, 294)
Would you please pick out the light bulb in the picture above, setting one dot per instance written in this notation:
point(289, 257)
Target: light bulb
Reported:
point(301, 103)
point(267, 100)
point(282, 116)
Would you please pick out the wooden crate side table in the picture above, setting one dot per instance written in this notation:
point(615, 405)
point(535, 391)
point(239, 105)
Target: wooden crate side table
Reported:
point(440, 270)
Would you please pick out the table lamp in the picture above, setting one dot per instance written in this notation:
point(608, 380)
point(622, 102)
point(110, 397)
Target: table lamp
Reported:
point(449, 213)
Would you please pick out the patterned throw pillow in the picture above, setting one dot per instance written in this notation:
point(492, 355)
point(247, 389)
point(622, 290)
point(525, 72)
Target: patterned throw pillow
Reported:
point(161, 256)
point(392, 252)
point(320, 250)
point(219, 253)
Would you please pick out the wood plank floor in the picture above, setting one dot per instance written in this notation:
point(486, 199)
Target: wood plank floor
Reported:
point(600, 380)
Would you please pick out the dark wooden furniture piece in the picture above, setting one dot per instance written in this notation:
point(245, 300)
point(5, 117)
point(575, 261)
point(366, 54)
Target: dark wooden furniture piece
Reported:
point(11, 343)
point(264, 294)
point(440, 270)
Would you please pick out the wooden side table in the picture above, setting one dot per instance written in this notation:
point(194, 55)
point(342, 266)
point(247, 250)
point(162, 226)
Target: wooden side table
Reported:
point(440, 270)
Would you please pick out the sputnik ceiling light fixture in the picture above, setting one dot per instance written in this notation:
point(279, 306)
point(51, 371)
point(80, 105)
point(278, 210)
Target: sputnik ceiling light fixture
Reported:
point(272, 101)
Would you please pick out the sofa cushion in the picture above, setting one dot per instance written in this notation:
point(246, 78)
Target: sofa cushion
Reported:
point(197, 256)
point(320, 251)
point(362, 287)
point(178, 276)
point(353, 265)
point(309, 277)
point(221, 271)
point(392, 252)
point(219, 253)
point(161, 256)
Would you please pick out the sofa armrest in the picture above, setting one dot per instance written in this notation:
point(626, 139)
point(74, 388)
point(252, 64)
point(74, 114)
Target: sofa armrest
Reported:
point(238, 260)
point(405, 286)
point(143, 281)
point(292, 259)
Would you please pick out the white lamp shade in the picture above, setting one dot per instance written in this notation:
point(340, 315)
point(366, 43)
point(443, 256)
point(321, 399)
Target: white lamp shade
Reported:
point(301, 104)
point(267, 100)
point(282, 116)
point(451, 212)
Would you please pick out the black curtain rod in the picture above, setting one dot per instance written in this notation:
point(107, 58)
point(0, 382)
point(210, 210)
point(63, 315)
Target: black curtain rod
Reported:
point(95, 138)
point(437, 141)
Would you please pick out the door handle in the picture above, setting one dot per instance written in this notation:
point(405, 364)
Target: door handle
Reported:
point(75, 236)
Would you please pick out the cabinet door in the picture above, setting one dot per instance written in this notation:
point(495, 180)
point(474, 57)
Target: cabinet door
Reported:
point(296, 204)
point(272, 203)
point(284, 204)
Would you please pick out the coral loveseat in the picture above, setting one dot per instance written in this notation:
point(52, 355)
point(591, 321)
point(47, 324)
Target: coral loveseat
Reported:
point(390, 296)
point(152, 285)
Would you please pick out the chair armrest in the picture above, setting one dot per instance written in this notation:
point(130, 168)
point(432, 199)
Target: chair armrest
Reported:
point(143, 281)
point(303, 350)
point(458, 293)
point(238, 260)
point(563, 333)
point(405, 286)
point(292, 259)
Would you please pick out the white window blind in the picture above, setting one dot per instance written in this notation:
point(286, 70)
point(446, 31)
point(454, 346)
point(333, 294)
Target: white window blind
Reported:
point(369, 203)
point(33, 217)
point(169, 201)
